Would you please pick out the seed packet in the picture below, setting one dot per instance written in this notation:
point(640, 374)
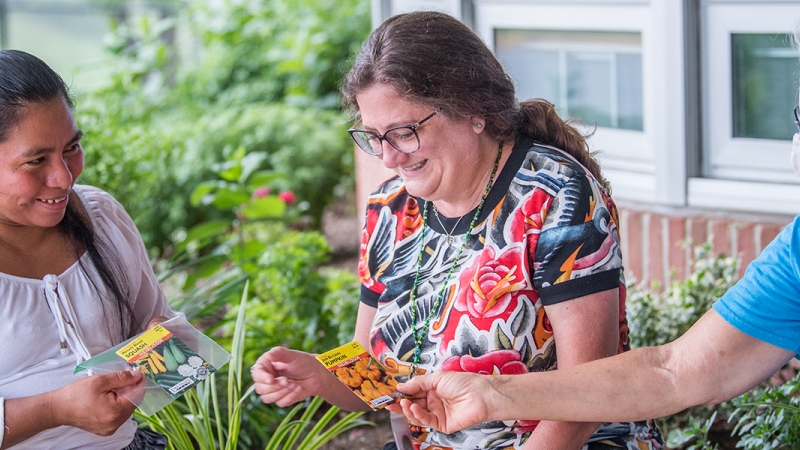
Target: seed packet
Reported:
point(365, 376)
point(173, 356)
point(166, 360)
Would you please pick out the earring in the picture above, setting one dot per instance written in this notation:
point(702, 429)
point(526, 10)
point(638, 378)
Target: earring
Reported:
point(480, 124)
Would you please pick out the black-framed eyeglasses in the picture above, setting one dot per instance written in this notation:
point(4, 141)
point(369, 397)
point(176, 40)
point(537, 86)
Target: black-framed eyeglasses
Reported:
point(404, 138)
point(796, 119)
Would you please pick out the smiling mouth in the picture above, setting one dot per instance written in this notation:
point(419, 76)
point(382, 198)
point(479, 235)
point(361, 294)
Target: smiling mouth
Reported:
point(416, 166)
point(53, 201)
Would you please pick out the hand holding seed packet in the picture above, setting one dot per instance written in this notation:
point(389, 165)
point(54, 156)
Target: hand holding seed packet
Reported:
point(173, 356)
point(360, 372)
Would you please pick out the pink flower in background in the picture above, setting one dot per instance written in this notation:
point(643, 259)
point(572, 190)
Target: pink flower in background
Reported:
point(263, 191)
point(288, 197)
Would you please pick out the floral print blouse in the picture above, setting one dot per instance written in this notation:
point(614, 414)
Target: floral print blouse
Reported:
point(548, 233)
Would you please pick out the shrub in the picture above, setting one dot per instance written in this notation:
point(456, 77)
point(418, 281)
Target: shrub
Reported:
point(656, 317)
point(769, 418)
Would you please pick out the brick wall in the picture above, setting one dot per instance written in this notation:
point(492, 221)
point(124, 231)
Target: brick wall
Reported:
point(657, 242)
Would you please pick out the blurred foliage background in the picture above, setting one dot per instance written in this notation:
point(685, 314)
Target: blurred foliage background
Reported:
point(258, 75)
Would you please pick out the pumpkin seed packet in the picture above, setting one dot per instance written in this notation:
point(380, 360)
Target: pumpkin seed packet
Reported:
point(361, 373)
point(173, 356)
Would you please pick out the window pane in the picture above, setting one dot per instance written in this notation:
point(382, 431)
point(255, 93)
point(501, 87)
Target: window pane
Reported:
point(535, 73)
point(595, 77)
point(588, 93)
point(765, 82)
point(629, 91)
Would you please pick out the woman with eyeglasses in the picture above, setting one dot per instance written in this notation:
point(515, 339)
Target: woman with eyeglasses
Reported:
point(494, 250)
point(752, 331)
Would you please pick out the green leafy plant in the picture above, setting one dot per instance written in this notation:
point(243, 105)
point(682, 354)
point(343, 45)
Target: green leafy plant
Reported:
point(263, 79)
point(314, 433)
point(769, 418)
point(657, 317)
point(696, 432)
point(294, 302)
point(297, 304)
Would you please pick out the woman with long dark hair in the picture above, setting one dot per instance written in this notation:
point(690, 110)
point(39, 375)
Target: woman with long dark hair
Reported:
point(75, 278)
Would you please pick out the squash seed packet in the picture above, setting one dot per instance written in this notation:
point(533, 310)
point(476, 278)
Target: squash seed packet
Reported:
point(173, 356)
point(166, 360)
point(362, 374)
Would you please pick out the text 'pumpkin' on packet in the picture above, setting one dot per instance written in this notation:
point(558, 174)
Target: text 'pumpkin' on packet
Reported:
point(366, 377)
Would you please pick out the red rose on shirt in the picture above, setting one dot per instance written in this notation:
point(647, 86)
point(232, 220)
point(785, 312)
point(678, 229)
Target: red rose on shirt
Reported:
point(498, 362)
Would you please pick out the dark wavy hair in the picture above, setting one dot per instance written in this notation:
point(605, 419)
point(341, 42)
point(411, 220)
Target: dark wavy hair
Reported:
point(433, 59)
point(25, 80)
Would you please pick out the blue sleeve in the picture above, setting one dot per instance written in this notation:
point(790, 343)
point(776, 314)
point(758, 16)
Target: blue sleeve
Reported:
point(765, 303)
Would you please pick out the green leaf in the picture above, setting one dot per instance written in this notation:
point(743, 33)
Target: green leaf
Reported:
point(305, 420)
point(346, 423)
point(201, 192)
point(228, 198)
point(206, 230)
point(251, 249)
point(208, 267)
point(286, 426)
point(269, 207)
point(231, 173)
point(262, 178)
point(250, 163)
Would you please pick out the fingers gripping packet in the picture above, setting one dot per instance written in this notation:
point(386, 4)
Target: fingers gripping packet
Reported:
point(173, 356)
point(360, 372)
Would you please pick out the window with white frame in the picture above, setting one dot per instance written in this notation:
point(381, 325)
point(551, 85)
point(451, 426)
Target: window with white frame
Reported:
point(588, 58)
point(593, 76)
point(751, 74)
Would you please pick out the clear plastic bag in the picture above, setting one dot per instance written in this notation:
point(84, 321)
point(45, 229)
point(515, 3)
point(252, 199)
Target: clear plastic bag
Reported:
point(174, 356)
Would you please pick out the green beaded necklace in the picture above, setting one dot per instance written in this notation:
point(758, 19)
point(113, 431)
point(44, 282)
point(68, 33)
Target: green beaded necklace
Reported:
point(419, 335)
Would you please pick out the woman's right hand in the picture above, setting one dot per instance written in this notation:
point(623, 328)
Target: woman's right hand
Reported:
point(446, 401)
point(283, 376)
point(89, 403)
point(92, 404)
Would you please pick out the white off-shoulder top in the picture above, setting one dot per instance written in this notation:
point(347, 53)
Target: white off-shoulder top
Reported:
point(50, 325)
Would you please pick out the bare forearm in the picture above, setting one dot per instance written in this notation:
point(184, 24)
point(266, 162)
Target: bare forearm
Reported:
point(27, 416)
point(711, 363)
point(596, 391)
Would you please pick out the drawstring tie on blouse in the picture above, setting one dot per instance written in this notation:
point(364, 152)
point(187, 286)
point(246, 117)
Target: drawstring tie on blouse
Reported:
point(68, 330)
